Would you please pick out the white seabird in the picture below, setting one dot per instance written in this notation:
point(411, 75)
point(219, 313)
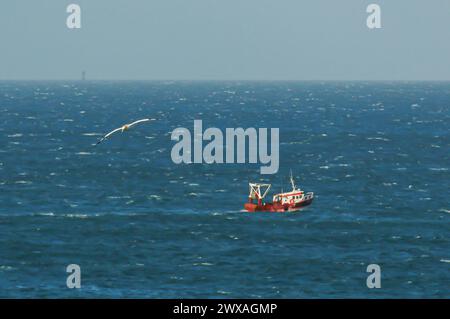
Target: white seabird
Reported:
point(122, 129)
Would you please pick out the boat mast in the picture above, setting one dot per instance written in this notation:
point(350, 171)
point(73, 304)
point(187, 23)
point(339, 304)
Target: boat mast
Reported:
point(292, 182)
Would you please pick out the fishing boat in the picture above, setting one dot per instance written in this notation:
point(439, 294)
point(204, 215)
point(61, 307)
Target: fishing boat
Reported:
point(282, 202)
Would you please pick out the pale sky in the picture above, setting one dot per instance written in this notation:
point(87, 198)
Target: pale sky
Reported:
point(225, 40)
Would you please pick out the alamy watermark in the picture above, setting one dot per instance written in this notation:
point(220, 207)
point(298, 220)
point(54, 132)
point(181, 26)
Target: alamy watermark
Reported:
point(74, 279)
point(73, 21)
point(374, 279)
point(216, 151)
point(373, 21)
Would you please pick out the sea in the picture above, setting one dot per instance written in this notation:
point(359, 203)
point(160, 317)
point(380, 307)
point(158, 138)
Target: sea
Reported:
point(375, 154)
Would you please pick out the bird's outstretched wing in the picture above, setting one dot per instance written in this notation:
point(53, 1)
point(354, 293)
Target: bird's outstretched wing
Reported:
point(109, 134)
point(139, 121)
point(122, 128)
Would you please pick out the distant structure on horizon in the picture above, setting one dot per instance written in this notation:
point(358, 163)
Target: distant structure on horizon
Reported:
point(83, 76)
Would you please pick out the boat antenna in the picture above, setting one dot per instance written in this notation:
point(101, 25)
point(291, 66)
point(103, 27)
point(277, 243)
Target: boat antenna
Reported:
point(281, 183)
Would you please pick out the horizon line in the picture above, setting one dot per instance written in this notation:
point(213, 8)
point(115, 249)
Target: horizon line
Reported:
point(219, 80)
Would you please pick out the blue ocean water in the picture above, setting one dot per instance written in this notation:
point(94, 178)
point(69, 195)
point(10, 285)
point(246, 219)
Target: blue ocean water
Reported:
point(375, 154)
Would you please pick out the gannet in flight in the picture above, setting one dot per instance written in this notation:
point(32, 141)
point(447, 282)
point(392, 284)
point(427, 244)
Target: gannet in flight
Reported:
point(122, 129)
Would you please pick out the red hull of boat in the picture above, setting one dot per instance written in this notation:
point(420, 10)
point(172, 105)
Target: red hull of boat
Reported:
point(275, 207)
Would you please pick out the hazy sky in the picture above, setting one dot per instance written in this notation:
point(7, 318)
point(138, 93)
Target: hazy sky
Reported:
point(225, 39)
